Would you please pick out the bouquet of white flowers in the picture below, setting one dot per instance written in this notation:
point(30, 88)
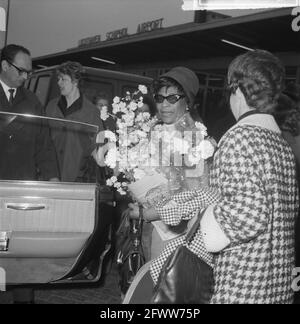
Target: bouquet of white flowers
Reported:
point(152, 160)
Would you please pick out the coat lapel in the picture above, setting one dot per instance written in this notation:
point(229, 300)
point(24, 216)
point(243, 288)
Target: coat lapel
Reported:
point(4, 105)
point(19, 97)
point(9, 123)
point(5, 120)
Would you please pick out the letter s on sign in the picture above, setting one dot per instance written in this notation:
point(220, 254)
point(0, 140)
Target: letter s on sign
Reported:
point(296, 21)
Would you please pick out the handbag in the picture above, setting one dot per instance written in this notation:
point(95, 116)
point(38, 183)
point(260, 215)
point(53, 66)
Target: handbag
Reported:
point(185, 278)
point(130, 254)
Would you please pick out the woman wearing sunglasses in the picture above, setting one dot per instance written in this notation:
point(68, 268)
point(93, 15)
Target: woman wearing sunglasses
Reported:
point(174, 95)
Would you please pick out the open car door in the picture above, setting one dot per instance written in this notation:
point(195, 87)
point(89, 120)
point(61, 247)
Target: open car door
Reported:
point(51, 232)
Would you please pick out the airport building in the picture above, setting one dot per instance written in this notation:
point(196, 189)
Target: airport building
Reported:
point(206, 45)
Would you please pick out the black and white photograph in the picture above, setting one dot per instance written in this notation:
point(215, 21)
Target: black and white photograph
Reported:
point(149, 154)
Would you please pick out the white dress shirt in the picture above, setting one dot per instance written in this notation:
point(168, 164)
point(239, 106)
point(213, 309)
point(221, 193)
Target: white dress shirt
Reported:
point(6, 89)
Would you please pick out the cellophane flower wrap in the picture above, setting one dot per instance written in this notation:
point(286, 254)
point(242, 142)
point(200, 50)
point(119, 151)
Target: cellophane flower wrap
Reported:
point(152, 160)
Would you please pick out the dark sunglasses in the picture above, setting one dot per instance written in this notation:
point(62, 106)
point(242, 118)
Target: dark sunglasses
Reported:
point(172, 99)
point(20, 71)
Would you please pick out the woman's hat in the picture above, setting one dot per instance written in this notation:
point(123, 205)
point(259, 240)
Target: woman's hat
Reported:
point(187, 79)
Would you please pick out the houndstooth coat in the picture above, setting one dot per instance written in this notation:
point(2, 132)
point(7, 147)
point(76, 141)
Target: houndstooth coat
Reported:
point(254, 170)
point(256, 208)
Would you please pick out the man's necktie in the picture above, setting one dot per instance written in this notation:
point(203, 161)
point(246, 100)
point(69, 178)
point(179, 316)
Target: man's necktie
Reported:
point(11, 96)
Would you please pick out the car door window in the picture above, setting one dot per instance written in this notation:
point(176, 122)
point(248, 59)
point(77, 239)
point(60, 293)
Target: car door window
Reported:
point(42, 86)
point(92, 86)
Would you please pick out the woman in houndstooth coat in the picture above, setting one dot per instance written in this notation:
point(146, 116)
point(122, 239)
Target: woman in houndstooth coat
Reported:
point(250, 229)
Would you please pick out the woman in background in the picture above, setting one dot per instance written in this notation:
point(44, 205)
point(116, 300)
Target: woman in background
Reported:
point(74, 143)
point(101, 100)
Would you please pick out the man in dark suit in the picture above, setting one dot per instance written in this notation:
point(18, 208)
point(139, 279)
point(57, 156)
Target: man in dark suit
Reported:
point(27, 151)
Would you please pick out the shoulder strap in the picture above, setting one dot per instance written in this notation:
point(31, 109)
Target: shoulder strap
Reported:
point(190, 234)
point(137, 228)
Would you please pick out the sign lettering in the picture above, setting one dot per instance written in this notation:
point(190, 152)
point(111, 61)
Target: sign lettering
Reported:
point(116, 34)
point(149, 26)
point(90, 40)
point(123, 32)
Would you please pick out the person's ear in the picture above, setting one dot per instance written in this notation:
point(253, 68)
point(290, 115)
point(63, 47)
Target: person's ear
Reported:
point(4, 65)
point(75, 82)
point(187, 104)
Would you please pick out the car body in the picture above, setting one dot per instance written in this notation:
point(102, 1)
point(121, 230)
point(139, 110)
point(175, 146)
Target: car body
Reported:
point(44, 83)
point(52, 232)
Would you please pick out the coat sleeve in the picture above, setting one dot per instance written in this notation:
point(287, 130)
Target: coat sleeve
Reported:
point(242, 212)
point(186, 205)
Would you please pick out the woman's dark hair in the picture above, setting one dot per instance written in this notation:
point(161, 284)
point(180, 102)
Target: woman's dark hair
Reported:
point(287, 115)
point(292, 90)
point(72, 69)
point(260, 76)
point(166, 82)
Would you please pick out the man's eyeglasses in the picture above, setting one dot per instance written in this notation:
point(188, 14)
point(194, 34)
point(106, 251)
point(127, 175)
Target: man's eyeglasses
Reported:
point(21, 71)
point(172, 99)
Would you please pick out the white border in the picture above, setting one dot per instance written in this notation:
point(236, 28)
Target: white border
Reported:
point(237, 4)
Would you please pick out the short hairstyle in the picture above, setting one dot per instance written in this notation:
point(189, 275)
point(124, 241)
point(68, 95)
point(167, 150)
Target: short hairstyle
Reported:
point(260, 76)
point(10, 51)
point(72, 69)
